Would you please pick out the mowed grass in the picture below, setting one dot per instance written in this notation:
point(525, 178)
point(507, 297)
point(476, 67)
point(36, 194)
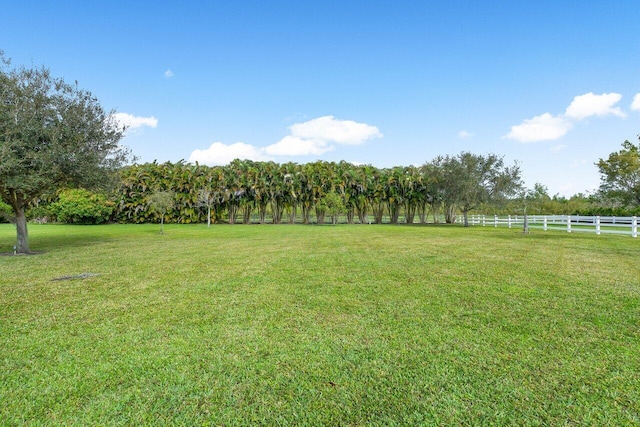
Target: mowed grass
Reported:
point(319, 325)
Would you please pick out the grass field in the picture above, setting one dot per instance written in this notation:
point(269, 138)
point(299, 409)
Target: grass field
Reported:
point(319, 325)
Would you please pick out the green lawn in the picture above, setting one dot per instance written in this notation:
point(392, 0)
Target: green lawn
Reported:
point(319, 325)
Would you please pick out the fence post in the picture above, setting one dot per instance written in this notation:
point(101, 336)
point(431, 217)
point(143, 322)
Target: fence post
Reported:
point(495, 221)
point(509, 221)
point(483, 220)
point(568, 223)
point(544, 223)
point(634, 226)
point(598, 225)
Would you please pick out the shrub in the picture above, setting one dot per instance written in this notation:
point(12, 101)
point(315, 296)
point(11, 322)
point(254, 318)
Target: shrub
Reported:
point(79, 206)
point(6, 213)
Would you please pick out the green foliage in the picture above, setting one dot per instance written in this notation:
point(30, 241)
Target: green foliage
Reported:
point(161, 202)
point(247, 187)
point(53, 135)
point(6, 212)
point(334, 205)
point(449, 185)
point(467, 181)
point(80, 206)
point(620, 175)
point(137, 182)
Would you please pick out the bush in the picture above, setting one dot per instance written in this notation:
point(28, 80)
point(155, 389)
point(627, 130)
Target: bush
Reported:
point(6, 213)
point(78, 206)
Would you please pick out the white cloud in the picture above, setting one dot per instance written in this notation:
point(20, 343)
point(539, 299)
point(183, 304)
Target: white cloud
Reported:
point(328, 128)
point(133, 122)
point(221, 154)
point(317, 136)
point(463, 134)
point(540, 128)
point(294, 146)
point(548, 127)
point(589, 104)
point(168, 74)
point(557, 148)
point(310, 138)
point(635, 105)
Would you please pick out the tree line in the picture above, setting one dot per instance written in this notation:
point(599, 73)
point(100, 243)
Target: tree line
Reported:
point(60, 156)
point(246, 191)
point(317, 191)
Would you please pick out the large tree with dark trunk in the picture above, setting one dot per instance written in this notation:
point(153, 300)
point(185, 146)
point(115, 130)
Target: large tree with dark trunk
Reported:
point(52, 135)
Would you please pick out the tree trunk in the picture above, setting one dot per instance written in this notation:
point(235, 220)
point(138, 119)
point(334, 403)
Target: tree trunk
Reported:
point(320, 215)
point(277, 209)
point(22, 246)
point(394, 212)
point(350, 215)
point(409, 212)
point(422, 212)
point(362, 213)
point(378, 211)
point(232, 209)
point(292, 214)
point(246, 213)
point(450, 214)
point(262, 212)
point(306, 211)
point(435, 208)
point(466, 218)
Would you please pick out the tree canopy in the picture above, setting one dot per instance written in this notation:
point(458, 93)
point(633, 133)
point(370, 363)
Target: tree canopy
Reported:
point(461, 183)
point(52, 135)
point(468, 180)
point(620, 175)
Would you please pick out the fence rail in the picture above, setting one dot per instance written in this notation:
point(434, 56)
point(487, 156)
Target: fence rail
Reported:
point(627, 225)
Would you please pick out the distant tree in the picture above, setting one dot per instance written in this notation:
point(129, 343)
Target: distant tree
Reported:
point(207, 198)
point(531, 199)
point(334, 205)
point(470, 180)
point(620, 175)
point(162, 202)
point(52, 135)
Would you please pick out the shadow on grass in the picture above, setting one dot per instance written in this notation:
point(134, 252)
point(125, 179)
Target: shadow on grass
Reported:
point(45, 238)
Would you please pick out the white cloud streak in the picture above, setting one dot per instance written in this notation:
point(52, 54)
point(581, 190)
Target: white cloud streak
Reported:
point(635, 105)
point(221, 154)
point(294, 146)
point(547, 127)
point(328, 128)
point(133, 122)
point(540, 128)
point(589, 104)
point(317, 136)
point(463, 134)
point(310, 138)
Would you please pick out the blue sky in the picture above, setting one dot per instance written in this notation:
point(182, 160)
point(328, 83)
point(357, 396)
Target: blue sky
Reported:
point(554, 85)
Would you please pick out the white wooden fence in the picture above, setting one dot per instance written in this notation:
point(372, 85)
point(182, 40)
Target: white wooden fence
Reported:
point(571, 223)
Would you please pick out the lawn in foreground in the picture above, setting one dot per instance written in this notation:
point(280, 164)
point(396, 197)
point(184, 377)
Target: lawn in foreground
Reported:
point(344, 325)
